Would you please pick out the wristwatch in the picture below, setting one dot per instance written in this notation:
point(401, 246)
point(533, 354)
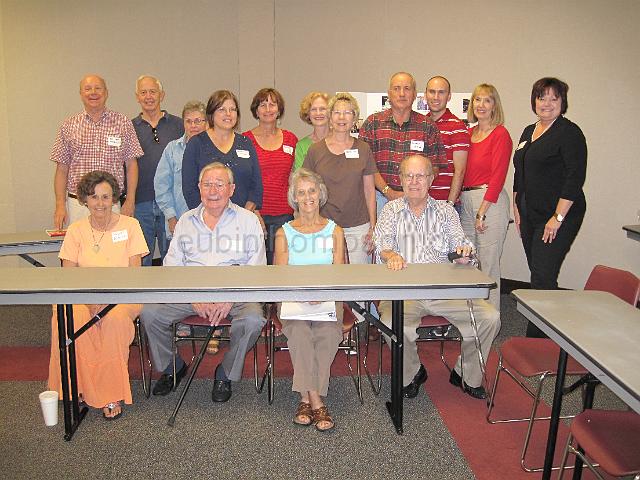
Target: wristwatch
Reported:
point(558, 217)
point(385, 189)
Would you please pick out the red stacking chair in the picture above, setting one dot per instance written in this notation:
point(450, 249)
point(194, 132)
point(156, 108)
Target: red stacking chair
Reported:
point(521, 358)
point(609, 438)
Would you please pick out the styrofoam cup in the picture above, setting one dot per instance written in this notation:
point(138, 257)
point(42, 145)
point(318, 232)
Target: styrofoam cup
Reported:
point(49, 404)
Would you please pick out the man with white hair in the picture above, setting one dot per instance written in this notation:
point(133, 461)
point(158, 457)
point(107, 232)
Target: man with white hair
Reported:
point(155, 129)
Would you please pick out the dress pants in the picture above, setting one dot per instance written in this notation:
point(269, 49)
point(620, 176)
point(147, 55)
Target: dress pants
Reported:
point(312, 347)
point(488, 244)
point(455, 311)
point(545, 259)
point(246, 325)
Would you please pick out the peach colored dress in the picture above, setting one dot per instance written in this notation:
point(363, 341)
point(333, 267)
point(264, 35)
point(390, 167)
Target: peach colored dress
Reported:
point(102, 352)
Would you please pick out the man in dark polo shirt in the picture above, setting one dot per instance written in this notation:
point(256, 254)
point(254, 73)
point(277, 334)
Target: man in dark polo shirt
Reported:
point(398, 131)
point(155, 129)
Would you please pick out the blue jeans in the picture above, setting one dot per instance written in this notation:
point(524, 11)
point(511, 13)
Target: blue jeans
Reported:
point(152, 223)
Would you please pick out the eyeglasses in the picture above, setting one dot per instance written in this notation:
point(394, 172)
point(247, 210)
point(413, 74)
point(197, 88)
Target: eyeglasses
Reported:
point(154, 130)
point(346, 113)
point(418, 177)
point(195, 121)
point(212, 185)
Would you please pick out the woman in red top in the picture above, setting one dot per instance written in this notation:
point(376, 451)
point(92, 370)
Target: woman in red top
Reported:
point(275, 148)
point(484, 201)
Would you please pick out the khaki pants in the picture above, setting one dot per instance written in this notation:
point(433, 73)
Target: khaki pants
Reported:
point(455, 311)
point(76, 211)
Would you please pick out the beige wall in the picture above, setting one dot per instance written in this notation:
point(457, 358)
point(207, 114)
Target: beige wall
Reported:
point(300, 45)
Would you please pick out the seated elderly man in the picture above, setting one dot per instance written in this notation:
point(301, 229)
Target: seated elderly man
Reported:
point(217, 232)
point(418, 229)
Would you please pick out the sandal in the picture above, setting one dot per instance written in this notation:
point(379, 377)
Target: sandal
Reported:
point(321, 415)
point(108, 409)
point(304, 415)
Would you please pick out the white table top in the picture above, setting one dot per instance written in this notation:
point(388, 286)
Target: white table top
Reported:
point(242, 283)
point(28, 243)
point(598, 329)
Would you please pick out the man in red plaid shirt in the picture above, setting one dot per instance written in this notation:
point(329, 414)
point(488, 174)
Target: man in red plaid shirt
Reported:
point(94, 139)
point(397, 132)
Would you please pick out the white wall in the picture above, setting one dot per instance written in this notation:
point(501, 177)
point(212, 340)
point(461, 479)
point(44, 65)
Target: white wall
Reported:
point(298, 46)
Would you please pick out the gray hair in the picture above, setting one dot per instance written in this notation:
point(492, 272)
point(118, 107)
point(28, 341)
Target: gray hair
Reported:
point(193, 106)
point(216, 166)
point(305, 174)
point(155, 79)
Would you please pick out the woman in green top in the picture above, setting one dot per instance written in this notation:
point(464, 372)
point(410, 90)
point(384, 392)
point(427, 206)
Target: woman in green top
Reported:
point(313, 110)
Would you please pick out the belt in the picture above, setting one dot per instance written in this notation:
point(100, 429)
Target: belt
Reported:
point(72, 195)
point(393, 187)
point(475, 187)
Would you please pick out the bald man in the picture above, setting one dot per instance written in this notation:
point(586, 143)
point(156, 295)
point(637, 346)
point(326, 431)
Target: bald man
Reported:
point(95, 139)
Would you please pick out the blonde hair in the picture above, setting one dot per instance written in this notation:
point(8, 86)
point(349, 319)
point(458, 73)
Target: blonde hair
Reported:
point(345, 97)
point(305, 104)
point(497, 115)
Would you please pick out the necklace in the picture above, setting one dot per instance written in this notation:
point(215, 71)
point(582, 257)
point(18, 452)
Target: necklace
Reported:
point(96, 245)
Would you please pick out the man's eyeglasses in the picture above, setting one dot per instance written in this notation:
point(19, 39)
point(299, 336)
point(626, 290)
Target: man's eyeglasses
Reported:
point(418, 177)
point(212, 185)
point(195, 121)
point(154, 130)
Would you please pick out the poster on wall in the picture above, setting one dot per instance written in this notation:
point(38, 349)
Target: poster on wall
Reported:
point(376, 102)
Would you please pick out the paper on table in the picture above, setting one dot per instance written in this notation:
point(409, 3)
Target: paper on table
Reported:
point(56, 233)
point(319, 312)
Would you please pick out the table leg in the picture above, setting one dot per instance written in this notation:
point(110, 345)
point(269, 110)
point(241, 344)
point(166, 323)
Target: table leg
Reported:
point(555, 416)
point(587, 404)
point(64, 372)
point(397, 348)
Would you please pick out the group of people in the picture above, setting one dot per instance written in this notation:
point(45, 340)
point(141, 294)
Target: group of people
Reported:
point(411, 189)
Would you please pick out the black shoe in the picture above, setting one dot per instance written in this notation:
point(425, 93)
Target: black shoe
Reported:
point(164, 385)
point(475, 392)
point(411, 390)
point(221, 390)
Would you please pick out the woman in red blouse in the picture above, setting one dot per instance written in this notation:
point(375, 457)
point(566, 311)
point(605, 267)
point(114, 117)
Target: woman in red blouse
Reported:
point(275, 148)
point(484, 201)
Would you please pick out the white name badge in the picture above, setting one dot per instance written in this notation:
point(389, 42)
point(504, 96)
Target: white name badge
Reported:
point(352, 153)
point(417, 145)
point(119, 236)
point(521, 144)
point(114, 141)
point(287, 149)
point(242, 153)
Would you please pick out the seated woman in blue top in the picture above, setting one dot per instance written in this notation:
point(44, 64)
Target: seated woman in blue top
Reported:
point(310, 239)
point(220, 143)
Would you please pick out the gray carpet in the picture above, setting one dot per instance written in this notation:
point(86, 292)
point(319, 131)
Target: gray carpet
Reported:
point(246, 438)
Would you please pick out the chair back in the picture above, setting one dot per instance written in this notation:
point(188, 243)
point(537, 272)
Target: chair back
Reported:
point(624, 285)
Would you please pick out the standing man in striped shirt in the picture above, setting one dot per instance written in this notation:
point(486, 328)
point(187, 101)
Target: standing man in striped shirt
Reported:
point(455, 137)
point(397, 132)
point(95, 139)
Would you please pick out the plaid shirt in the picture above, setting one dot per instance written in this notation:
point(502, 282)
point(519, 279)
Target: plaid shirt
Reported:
point(85, 145)
point(390, 142)
point(424, 239)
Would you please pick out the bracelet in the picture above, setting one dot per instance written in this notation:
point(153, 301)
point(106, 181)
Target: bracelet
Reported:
point(480, 217)
point(450, 202)
point(385, 189)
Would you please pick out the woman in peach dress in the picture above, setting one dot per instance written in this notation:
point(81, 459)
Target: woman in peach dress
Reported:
point(103, 239)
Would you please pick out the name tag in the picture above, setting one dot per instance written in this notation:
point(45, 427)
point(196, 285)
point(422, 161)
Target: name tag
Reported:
point(417, 145)
point(242, 153)
point(287, 149)
point(521, 144)
point(352, 153)
point(119, 236)
point(114, 141)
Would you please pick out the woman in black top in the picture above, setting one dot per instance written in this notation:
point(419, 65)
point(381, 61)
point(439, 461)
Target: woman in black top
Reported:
point(550, 167)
